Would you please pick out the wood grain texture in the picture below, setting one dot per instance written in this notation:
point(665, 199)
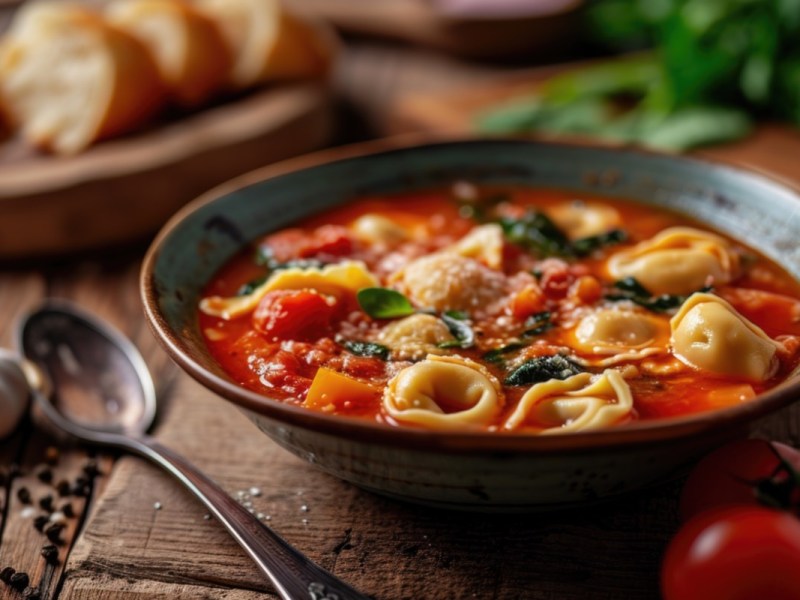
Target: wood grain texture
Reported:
point(124, 189)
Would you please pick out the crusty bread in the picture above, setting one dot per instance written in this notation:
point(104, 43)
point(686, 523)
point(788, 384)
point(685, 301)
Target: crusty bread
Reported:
point(68, 78)
point(193, 58)
point(268, 42)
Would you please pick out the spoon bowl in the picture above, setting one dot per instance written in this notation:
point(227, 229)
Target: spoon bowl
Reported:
point(89, 381)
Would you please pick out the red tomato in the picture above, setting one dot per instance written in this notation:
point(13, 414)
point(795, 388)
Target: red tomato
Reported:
point(295, 315)
point(730, 476)
point(734, 553)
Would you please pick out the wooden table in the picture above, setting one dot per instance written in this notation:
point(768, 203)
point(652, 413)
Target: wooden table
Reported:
point(119, 545)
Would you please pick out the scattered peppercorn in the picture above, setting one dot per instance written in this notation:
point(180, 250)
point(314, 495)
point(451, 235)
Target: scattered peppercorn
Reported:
point(46, 503)
point(19, 581)
point(79, 489)
point(6, 574)
point(90, 468)
point(40, 521)
point(50, 553)
point(62, 487)
point(45, 475)
point(53, 532)
point(51, 456)
point(24, 495)
point(67, 509)
point(31, 593)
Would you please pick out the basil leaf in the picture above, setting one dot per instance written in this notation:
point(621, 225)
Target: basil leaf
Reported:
point(249, 287)
point(537, 233)
point(496, 355)
point(457, 314)
point(369, 349)
point(587, 245)
point(461, 330)
point(384, 303)
point(543, 368)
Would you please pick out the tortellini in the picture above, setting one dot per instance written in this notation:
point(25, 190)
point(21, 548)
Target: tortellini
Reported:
point(378, 229)
point(580, 219)
point(581, 402)
point(445, 281)
point(678, 260)
point(414, 337)
point(334, 280)
point(444, 392)
point(710, 335)
point(483, 243)
point(620, 334)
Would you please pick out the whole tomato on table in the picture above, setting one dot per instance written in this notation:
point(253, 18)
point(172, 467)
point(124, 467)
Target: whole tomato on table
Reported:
point(741, 538)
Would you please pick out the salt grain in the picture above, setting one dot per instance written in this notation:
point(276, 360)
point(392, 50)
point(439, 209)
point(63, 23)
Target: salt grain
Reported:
point(254, 491)
point(157, 505)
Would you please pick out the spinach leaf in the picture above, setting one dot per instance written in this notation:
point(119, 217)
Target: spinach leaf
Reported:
point(369, 349)
point(249, 287)
point(587, 245)
point(384, 303)
point(543, 368)
point(460, 328)
point(496, 355)
point(536, 232)
point(630, 289)
point(538, 323)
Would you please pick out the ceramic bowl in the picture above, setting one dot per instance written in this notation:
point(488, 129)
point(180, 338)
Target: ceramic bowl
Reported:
point(475, 471)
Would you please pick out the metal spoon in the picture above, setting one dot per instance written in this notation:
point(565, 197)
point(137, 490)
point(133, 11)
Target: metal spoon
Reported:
point(92, 383)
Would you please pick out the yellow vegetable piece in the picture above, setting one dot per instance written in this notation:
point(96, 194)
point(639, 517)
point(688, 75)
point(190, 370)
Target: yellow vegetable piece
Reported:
point(334, 280)
point(331, 390)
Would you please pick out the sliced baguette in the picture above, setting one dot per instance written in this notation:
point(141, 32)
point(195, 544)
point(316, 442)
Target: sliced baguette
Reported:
point(269, 43)
point(69, 79)
point(192, 56)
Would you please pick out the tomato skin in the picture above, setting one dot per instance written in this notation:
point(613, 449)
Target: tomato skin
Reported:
point(726, 477)
point(734, 553)
point(295, 315)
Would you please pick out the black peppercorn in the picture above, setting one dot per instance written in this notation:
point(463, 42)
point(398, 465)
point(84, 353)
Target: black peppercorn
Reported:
point(50, 553)
point(46, 502)
point(40, 522)
point(53, 532)
point(62, 487)
point(45, 475)
point(6, 573)
point(19, 581)
point(67, 509)
point(24, 495)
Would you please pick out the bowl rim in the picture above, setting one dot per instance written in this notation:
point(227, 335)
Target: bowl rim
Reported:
point(640, 433)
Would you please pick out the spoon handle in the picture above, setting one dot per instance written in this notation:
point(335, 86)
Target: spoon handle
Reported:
point(293, 575)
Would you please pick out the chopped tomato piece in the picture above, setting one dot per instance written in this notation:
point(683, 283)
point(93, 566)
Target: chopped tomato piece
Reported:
point(527, 301)
point(295, 315)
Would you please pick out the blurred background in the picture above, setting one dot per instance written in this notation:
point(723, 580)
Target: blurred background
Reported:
point(673, 75)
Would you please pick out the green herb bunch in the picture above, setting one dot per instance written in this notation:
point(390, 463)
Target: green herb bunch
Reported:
point(712, 67)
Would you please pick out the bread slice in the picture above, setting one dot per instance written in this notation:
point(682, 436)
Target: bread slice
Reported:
point(269, 43)
point(70, 79)
point(192, 56)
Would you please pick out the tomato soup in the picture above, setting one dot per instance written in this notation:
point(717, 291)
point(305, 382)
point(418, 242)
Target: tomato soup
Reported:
point(503, 309)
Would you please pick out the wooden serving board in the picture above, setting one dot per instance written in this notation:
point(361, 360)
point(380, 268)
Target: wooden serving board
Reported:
point(124, 189)
point(772, 147)
point(522, 29)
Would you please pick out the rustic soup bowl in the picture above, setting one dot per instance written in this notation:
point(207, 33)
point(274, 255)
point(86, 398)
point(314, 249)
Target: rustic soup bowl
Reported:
point(474, 471)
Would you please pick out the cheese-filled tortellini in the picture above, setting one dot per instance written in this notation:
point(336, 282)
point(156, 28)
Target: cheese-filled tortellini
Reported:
point(446, 281)
point(581, 219)
point(484, 244)
point(444, 392)
point(678, 260)
point(709, 334)
point(334, 280)
point(622, 334)
point(414, 337)
point(583, 401)
point(377, 229)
